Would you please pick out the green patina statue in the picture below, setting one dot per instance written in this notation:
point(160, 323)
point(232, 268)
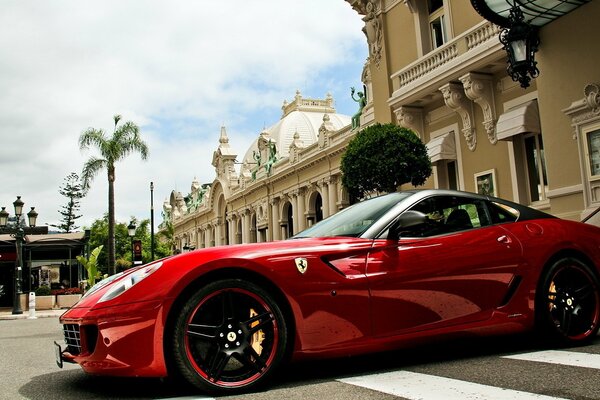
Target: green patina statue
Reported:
point(362, 102)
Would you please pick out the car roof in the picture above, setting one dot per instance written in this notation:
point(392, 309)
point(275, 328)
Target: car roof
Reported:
point(416, 195)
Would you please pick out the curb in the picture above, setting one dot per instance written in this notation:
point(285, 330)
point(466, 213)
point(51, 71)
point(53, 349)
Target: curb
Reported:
point(39, 314)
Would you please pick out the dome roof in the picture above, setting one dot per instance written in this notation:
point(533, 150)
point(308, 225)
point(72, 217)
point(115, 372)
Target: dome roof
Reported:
point(304, 116)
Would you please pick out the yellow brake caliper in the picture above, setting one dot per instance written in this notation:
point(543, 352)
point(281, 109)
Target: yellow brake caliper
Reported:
point(258, 336)
point(552, 297)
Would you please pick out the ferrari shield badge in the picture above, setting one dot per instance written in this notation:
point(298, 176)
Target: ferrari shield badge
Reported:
point(301, 264)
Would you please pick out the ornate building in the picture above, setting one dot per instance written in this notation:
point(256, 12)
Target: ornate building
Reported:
point(438, 68)
point(289, 179)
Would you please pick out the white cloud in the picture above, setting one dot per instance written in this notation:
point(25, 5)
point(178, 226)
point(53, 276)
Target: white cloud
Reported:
point(178, 69)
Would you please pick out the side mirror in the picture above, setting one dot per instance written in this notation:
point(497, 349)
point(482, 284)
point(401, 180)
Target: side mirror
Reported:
point(406, 220)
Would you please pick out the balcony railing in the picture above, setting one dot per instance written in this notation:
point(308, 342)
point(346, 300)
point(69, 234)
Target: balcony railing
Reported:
point(472, 42)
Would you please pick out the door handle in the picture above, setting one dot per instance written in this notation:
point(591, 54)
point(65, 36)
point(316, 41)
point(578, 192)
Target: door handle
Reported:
point(504, 239)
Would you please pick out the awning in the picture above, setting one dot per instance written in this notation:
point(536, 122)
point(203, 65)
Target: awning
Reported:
point(536, 12)
point(442, 147)
point(520, 119)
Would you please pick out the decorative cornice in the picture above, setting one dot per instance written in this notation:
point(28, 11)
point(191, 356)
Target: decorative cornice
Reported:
point(586, 109)
point(373, 29)
point(455, 98)
point(411, 5)
point(411, 118)
point(480, 89)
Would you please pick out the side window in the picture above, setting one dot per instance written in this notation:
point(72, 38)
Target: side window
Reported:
point(501, 213)
point(448, 214)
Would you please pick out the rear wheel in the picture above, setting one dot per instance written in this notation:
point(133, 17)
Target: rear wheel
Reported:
point(568, 302)
point(229, 337)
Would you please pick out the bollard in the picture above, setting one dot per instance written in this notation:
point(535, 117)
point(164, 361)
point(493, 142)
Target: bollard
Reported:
point(32, 306)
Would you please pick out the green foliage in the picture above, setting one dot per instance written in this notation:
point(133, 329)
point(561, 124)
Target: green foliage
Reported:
point(166, 238)
point(380, 158)
point(99, 236)
point(91, 265)
point(124, 141)
point(43, 291)
point(73, 191)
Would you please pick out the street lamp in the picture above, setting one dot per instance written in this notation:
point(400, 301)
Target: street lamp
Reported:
point(520, 38)
point(131, 233)
point(520, 41)
point(19, 235)
point(151, 221)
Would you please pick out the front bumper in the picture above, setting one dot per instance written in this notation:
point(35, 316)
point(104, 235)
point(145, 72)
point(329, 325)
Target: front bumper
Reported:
point(121, 340)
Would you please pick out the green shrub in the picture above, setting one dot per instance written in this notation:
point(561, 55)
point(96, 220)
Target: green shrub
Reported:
point(43, 291)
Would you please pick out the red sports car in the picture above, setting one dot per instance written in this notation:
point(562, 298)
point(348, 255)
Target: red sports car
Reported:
point(380, 274)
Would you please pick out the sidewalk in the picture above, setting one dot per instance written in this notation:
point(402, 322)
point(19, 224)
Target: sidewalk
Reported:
point(6, 314)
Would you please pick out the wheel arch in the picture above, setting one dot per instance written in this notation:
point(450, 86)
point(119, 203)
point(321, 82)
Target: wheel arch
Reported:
point(541, 321)
point(221, 274)
point(569, 253)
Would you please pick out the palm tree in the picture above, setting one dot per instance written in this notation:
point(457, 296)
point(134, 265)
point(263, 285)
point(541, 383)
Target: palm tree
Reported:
point(125, 140)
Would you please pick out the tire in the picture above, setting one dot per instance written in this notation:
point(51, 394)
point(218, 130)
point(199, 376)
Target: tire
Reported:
point(229, 337)
point(568, 303)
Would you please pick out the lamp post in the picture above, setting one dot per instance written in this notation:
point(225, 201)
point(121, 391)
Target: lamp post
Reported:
point(131, 232)
point(19, 235)
point(151, 221)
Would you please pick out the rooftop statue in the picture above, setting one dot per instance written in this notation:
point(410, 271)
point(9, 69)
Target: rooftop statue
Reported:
point(362, 101)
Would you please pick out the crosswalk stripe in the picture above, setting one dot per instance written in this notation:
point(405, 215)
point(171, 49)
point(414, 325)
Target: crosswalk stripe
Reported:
point(413, 386)
point(571, 358)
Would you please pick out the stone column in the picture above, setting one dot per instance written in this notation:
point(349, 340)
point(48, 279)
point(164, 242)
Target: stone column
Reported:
point(209, 236)
point(301, 211)
point(231, 229)
point(274, 228)
point(324, 186)
point(332, 194)
point(218, 230)
point(246, 226)
point(294, 198)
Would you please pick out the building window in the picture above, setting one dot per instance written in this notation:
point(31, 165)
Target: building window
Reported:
point(452, 175)
point(433, 24)
point(437, 26)
point(593, 142)
point(535, 162)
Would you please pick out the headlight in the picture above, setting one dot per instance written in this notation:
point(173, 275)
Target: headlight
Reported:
point(102, 283)
point(128, 281)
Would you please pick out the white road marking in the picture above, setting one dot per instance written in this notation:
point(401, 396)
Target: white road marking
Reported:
point(415, 386)
point(571, 358)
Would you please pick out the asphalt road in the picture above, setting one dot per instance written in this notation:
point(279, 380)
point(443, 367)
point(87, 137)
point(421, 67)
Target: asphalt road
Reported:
point(461, 369)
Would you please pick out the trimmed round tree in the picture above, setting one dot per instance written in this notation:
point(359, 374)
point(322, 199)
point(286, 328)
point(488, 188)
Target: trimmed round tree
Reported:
point(382, 157)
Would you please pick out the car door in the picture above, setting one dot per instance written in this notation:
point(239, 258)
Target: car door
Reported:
point(449, 272)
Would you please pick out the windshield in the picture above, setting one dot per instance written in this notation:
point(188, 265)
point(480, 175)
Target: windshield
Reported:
point(355, 220)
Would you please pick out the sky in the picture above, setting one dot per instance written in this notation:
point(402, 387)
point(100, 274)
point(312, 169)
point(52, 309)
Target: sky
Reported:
point(179, 70)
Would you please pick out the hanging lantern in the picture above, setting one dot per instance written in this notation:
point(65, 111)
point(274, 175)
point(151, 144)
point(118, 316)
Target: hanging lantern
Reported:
point(520, 41)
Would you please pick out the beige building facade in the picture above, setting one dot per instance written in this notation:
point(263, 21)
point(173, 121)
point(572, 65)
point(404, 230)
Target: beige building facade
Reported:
point(288, 180)
point(438, 68)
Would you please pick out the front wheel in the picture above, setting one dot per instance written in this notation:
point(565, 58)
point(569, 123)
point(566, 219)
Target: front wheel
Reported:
point(229, 337)
point(568, 302)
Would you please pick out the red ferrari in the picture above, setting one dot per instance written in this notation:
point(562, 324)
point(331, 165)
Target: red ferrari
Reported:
point(380, 274)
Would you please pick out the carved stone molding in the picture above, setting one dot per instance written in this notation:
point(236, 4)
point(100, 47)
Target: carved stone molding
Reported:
point(586, 109)
point(455, 98)
point(411, 118)
point(411, 5)
point(295, 149)
point(480, 89)
point(373, 29)
point(592, 96)
point(325, 131)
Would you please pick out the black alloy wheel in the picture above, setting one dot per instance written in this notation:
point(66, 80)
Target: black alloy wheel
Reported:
point(568, 302)
point(229, 337)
